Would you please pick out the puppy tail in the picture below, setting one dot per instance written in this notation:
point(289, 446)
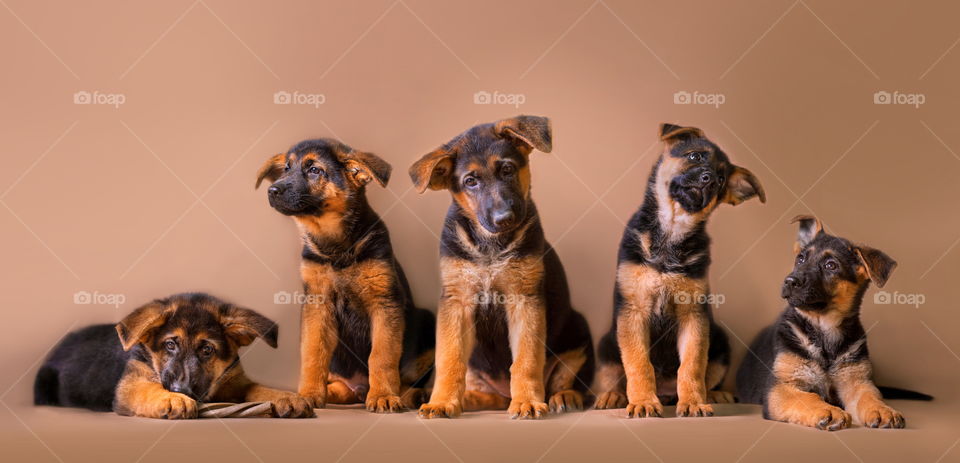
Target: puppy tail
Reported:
point(46, 388)
point(905, 394)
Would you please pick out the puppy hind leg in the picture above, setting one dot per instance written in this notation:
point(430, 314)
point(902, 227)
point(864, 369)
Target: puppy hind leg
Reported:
point(563, 381)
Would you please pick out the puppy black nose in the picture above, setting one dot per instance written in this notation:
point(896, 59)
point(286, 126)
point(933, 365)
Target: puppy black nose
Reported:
point(706, 178)
point(275, 190)
point(502, 218)
point(792, 281)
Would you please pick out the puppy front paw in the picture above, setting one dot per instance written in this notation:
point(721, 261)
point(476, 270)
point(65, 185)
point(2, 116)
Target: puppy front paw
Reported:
point(171, 406)
point(611, 399)
point(693, 408)
point(441, 410)
point(645, 408)
point(527, 409)
point(881, 416)
point(384, 403)
point(566, 401)
point(316, 397)
point(826, 417)
point(293, 406)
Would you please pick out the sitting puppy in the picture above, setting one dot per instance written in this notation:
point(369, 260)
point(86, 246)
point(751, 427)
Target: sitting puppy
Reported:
point(814, 360)
point(664, 340)
point(170, 354)
point(506, 329)
point(361, 337)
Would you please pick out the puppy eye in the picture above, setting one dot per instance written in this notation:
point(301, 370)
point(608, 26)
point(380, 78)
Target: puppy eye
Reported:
point(470, 182)
point(800, 258)
point(286, 166)
point(315, 170)
point(830, 265)
point(170, 345)
point(206, 350)
point(507, 169)
point(695, 156)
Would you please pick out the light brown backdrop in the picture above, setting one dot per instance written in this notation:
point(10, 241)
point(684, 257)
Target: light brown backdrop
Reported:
point(156, 196)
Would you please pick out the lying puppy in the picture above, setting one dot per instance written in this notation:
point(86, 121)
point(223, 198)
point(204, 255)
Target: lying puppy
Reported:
point(361, 337)
point(814, 359)
point(505, 323)
point(664, 339)
point(170, 354)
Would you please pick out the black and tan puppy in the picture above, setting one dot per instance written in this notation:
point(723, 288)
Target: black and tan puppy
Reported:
point(170, 354)
point(507, 334)
point(664, 342)
point(361, 337)
point(812, 367)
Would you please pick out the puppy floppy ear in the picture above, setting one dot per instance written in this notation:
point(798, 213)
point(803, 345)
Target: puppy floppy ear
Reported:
point(245, 325)
point(672, 132)
point(140, 324)
point(433, 170)
point(810, 227)
point(363, 167)
point(743, 185)
point(272, 169)
point(879, 266)
point(527, 132)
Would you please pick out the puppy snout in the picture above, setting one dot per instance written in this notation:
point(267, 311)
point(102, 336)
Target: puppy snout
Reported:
point(706, 178)
point(276, 190)
point(793, 281)
point(503, 218)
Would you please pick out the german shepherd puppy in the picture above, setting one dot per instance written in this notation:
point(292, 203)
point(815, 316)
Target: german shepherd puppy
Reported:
point(814, 359)
point(361, 337)
point(170, 354)
point(663, 336)
point(505, 323)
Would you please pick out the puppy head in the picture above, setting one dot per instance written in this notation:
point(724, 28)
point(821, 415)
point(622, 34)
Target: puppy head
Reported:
point(487, 169)
point(192, 339)
point(319, 176)
point(829, 272)
point(697, 175)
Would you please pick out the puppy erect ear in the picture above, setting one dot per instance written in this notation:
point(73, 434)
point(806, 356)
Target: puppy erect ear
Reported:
point(879, 265)
point(433, 170)
point(139, 325)
point(743, 185)
point(810, 227)
point(672, 132)
point(363, 167)
point(527, 132)
point(244, 325)
point(272, 169)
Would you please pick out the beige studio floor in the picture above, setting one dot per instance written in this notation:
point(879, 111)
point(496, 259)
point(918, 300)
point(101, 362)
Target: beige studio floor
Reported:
point(353, 435)
point(153, 194)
